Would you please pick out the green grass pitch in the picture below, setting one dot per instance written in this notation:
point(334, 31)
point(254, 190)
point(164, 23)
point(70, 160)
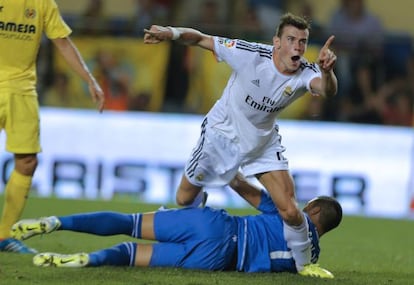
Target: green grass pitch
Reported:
point(360, 251)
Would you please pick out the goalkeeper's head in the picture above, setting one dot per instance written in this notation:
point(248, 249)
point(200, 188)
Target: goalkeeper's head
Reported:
point(325, 212)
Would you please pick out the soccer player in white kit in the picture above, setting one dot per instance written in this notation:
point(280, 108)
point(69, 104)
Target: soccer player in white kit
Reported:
point(240, 130)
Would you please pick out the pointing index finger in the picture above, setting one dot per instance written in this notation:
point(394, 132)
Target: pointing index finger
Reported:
point(328, 42)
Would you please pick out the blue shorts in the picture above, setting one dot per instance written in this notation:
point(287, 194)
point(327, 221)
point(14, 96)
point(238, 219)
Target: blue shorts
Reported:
point(194, 238)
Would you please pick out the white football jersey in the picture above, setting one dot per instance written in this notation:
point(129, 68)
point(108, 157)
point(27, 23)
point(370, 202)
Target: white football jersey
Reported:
point(255, 93)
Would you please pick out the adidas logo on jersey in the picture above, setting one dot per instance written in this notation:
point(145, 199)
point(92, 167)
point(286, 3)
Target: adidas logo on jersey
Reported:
point(256, 82)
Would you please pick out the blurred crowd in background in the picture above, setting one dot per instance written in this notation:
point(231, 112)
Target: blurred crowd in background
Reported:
point(375, 66)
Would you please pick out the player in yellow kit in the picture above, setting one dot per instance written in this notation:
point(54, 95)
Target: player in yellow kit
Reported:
point(22, 24)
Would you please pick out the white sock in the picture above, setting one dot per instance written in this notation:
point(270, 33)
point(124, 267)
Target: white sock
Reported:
point(298, 241)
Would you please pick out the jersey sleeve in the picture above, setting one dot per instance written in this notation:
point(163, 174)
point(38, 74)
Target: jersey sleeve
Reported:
point(234, 52)
point(266, 204)
point(310, 71)
point(54, 26)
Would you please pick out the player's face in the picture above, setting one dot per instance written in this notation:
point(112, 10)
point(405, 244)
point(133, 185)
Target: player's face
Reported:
point(289, 49)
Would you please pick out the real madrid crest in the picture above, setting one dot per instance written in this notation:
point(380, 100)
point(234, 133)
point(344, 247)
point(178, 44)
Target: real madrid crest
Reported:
point(200, 177)
point(288, 91)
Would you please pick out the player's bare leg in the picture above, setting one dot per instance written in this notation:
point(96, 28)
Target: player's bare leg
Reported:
point(282, 190)
point(147, 226)
point(188, 194)
point(143, 255)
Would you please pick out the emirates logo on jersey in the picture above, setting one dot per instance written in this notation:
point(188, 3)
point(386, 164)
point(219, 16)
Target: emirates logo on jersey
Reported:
point(30, 13)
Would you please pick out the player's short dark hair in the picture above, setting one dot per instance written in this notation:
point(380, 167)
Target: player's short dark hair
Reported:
point(331, 212)
point(289, 19)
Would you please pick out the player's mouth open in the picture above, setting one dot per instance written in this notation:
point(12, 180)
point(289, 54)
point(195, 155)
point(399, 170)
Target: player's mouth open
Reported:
point(295, 58)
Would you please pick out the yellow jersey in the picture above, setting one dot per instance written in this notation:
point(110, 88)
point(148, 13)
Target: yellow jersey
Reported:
point(22, 25)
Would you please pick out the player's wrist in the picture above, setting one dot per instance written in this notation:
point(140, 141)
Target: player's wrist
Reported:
point(175, 33)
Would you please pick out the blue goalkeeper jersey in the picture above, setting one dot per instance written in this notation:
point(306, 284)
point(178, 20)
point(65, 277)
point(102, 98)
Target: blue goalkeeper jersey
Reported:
point(261, 243)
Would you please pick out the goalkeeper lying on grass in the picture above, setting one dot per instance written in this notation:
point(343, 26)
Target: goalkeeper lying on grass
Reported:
point(192, 238)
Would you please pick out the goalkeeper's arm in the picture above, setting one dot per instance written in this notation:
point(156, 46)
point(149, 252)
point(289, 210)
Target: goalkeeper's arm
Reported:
point(249, 192)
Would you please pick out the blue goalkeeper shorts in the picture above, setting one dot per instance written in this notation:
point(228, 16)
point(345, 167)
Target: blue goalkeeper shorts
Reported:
point(194, 238)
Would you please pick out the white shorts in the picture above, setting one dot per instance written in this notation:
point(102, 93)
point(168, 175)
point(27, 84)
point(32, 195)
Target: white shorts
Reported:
point(216, 159)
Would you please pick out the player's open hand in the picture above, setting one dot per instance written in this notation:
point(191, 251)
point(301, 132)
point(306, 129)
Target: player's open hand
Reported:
point(327, 57)
point(157, 34)
point(97, 95)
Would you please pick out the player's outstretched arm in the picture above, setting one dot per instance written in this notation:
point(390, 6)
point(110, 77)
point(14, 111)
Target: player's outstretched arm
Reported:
point(249, 192)
point(186, 36)
point(73, 57)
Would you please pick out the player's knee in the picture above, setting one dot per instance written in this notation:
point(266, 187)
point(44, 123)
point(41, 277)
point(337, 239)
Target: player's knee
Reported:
point(291, 215)
point(186, 193)
point(181, 201)
point(26, 164)
point(193, 198)
point(178, 200)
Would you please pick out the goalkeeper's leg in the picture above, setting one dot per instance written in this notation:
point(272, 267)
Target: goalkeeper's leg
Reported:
point(98, 223)
point(123, 254)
